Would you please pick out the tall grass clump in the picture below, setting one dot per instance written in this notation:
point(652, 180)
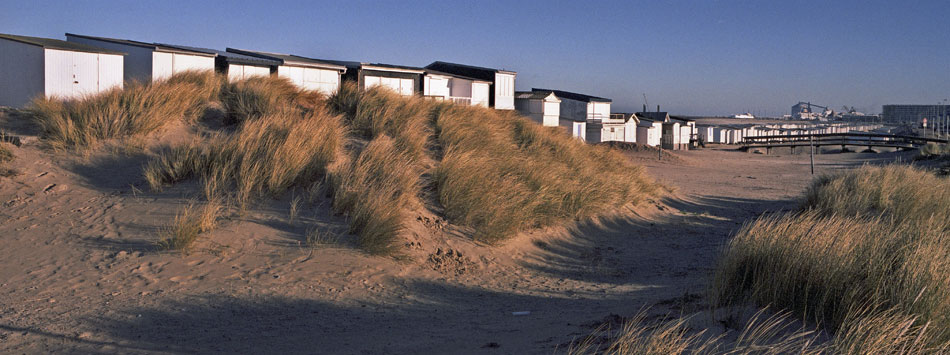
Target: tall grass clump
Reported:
point(934, 151)
point(190, 222)
point(872, 242)
point(501, 173)
point(134, 110)
point(261, 96)
point(264, 157)
point(6, 156)
point(376, 189)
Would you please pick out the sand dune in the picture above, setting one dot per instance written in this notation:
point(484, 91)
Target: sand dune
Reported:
point(79, 271)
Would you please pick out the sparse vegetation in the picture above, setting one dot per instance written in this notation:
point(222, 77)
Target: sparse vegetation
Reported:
point(501, 173)
point(190, 222)
point(6, 156)
point(870, 249)
point(379, 154)
point(934, 151)
point(877, 333)
point(134, 110)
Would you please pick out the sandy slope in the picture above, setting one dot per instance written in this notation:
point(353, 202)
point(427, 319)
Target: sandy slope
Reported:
point(79, 273)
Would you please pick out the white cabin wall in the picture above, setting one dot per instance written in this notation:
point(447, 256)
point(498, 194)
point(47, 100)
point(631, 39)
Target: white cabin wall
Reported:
point(504, 91)
point(552, 113)
point(21, 73)
point(326, 81)
point(111, 67)
point(238, 72)
point(165, 64)
point(436, 86)
point(137, 63)
point(598, 110)
point(69, 74)
point(480, 94)
point(162, 65)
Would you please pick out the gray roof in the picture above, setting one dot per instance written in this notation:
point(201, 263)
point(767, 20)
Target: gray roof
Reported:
point(58, 44)
point(436, 72)
point(152, 46)
point(482, 73)
point(653, 116)
point(290, 59)
point(539, 95)
point(573, 95)
point(354, 65)
point(229, 57)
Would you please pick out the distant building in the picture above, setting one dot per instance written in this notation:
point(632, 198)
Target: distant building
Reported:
point(913, 114)
point(306, 73)
point(405, 80)
point(459, 89)
point(237, 66)
point(149, 61)
point(32, 67)
point(502, 81)
point(584, 108)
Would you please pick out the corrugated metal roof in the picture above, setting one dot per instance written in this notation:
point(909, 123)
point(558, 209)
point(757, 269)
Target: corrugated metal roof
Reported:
point(468, 70)
point(574, 95)
point(58, 44)
point(540, 95)
point(354, 65)
point(290, 59)
point(152, 46)
point(436, 72)
point(229, 57)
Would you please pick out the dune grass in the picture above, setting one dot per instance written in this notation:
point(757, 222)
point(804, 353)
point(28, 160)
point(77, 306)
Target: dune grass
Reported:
point(380, 155)
point(869, 244)
point(886, 332)
point(262, 158)
point(501, 173)
point(6, 156)
point(136, 109)
point(934, 151)
point(190, 222)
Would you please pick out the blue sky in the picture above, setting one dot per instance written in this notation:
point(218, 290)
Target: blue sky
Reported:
point(690, 57)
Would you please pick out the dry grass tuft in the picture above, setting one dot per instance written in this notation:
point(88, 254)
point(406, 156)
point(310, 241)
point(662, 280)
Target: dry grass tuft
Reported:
point(872, 242)
point(501, 173)
point(134, 110)
point(264, 157)
point(262, 96)
point(190, 222)
point(761, 335)
point(6, 156)
point(375, 191)
point(934, 151)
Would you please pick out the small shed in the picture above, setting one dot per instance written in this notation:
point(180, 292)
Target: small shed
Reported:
point(307, 73)
point(542, 107)
point(149, 61)
point(502, 81)
point(649, 132)
point(687, 131)
point(619, 127)
point(236, 66)
point(34, 66)
point(404, 80)
point(455, 88)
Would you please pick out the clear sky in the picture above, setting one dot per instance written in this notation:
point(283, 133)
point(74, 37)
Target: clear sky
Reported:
point(690, 57)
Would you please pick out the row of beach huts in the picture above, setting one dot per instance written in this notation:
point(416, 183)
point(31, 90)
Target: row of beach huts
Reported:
point(83, 64)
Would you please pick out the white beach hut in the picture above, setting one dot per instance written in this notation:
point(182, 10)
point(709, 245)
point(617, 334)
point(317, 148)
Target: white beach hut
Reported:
point(649, 132)
point(33, 66)
point(502, 81)
point(457, 88)
point(307, 73)
point(149, 61)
